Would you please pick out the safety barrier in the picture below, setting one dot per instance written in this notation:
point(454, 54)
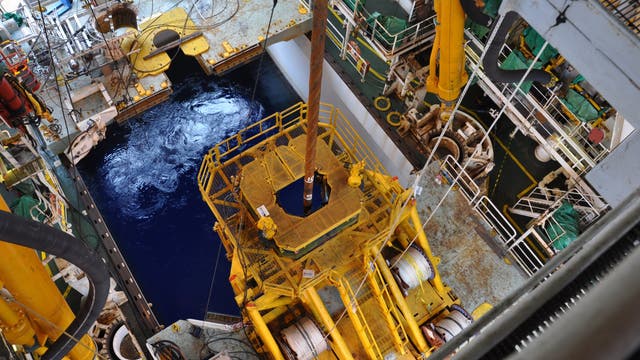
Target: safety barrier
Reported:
point(542, 204)
point(540, 114)
point(627, 11)
point(334, 126)
point(505, 234)
point(467, 186)
point(387, 44)
point(349, 50)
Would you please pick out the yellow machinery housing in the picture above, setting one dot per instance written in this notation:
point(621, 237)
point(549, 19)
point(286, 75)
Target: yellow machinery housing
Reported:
point(37, 312)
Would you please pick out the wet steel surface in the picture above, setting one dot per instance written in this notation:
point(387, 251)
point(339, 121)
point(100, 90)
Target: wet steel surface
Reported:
point(462, 240)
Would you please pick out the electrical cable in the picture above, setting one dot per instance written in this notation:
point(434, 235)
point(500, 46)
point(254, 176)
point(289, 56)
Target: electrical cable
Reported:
point(169, 350)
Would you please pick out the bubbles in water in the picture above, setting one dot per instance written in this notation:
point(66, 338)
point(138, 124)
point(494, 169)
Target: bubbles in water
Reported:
point(169, 141)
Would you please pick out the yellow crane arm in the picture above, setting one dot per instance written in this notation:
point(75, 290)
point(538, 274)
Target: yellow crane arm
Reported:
point(447, 74)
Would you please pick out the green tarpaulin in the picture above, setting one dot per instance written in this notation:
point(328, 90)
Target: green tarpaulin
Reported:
point(517, 61)
point(564, 229)
point(535, 42)
point(352, 4)
point(392, 24)
point(25, 206)
point(580, 106)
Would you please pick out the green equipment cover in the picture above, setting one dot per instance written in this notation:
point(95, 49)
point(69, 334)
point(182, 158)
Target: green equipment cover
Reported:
point(23, 206)
point(352, 4)
point(517, 61)
point(535, 42)
point(580, 106)
point(565, 227)
point(392, 24)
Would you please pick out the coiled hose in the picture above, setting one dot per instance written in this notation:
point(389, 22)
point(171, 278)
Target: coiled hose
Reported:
point(32, 234)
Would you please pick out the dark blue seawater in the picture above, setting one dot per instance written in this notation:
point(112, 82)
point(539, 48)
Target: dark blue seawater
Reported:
point(143, 179)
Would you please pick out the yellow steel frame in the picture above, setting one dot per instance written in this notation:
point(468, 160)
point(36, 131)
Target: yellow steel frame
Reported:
point(280, 285)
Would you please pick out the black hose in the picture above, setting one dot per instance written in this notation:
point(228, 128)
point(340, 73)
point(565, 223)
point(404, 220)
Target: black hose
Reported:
point(20, 231)
point(475, 13)
point(490, 62)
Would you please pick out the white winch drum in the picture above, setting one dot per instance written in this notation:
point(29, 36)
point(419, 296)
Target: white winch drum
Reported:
point(304, 340)
point(451, 325)
point(413, 267)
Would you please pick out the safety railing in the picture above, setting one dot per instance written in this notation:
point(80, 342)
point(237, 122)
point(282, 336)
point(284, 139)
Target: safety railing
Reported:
point(51, 210)
point(387, 44)
point(490, 213)
point(505, 234)
point(627, 11)
point(453, 170)
point(402, 42)
point(349, 50)
point(535, 203)
point(353, 143)
point(332, 120)
point(540, 114)
point(358, 317)
point(386, 303)
point(541, 201)
point(550, 116)
point(542, 204)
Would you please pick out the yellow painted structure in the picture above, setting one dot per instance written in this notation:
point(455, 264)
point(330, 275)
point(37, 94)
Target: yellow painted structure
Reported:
point(313, 300)
point(263, 332)
point(15, 325)
point(141, 44)
point(447, 54)
point(268, 227)
point(482, 309)
point(36, 298)
point(336, 255)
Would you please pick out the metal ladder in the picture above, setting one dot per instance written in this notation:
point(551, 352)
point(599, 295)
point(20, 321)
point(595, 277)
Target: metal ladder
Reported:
point(386, 303)
point(358, 319)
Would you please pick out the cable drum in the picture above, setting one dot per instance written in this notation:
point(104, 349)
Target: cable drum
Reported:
point(450, 326)
point(303, 340)
point(412, 268)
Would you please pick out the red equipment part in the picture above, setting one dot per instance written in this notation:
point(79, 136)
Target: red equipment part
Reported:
point(12, 104)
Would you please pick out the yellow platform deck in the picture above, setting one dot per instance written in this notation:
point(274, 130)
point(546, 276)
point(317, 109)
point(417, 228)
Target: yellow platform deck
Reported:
point(279, 168)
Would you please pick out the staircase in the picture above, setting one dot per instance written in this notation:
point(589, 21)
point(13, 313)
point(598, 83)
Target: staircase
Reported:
point(358, 319)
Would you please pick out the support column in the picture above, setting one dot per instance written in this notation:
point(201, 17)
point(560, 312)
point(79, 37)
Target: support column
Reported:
point(263, 331)
point(311, 298)
point(412, 325)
